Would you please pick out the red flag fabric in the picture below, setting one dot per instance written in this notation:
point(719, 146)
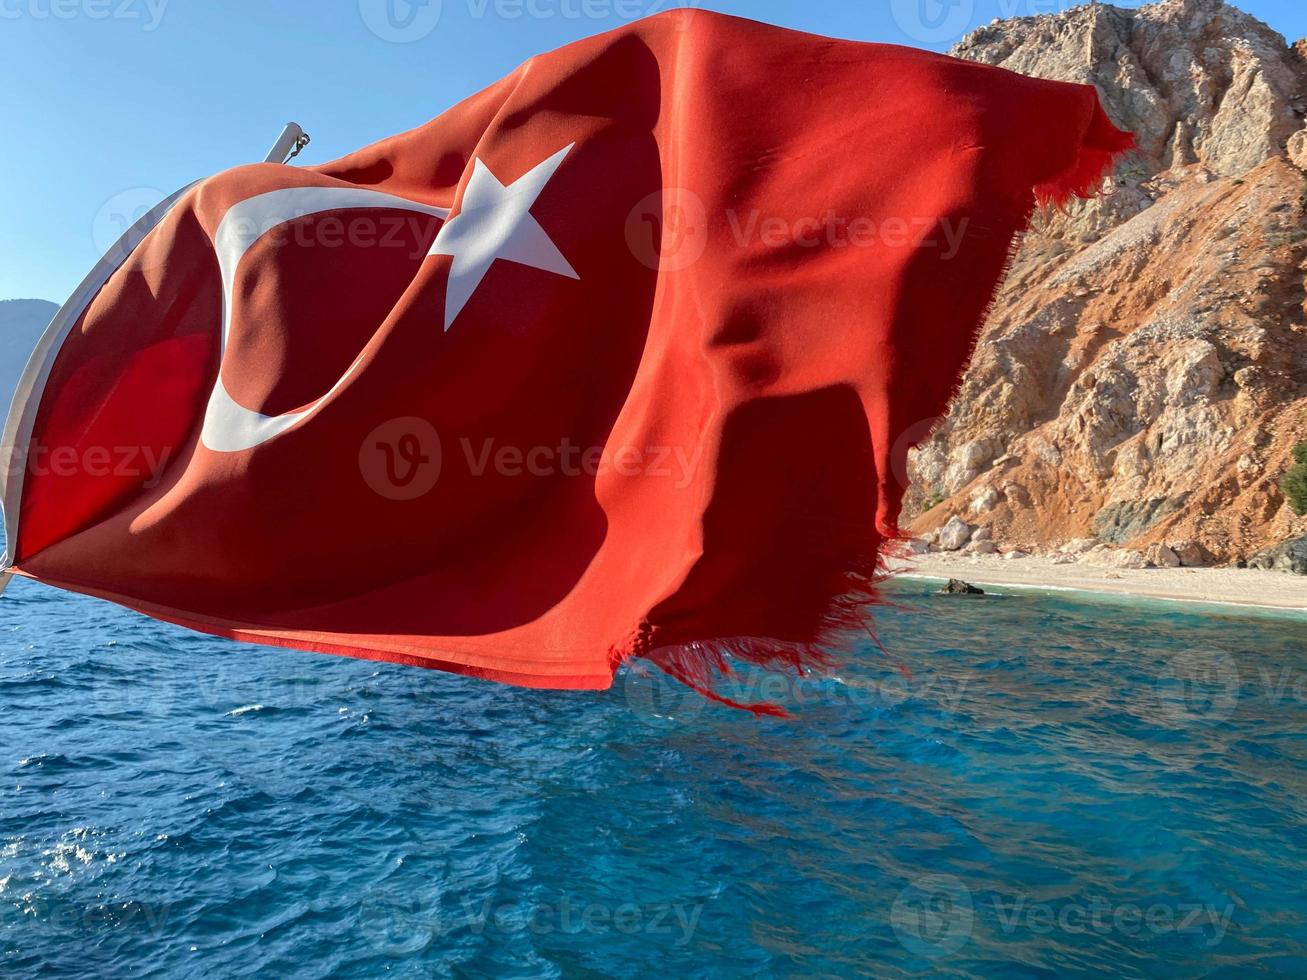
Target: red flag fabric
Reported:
point(615, 358)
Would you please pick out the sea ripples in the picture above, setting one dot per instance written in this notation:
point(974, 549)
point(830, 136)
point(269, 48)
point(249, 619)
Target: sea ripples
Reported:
point(1027, 786)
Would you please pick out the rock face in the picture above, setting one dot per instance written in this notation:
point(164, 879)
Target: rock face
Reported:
point(1160, 556)
point(1291, 556)
point(1197, 81)
point(954, 534)
point(1143, 376)
point(1116, 558)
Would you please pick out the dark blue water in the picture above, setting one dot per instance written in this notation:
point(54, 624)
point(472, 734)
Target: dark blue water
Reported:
point(1061, 787)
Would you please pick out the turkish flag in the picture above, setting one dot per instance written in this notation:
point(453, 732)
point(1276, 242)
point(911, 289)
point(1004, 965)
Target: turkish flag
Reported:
point(619, 357)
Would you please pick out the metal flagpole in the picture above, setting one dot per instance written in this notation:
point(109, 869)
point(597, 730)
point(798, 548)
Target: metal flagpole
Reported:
point(288, 145)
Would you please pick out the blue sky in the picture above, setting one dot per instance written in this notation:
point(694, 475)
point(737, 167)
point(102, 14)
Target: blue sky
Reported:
point(111, 104)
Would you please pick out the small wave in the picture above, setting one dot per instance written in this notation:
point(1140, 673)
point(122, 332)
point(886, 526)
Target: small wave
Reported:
point(48, 763)
point(78, 848)
point(237, 712)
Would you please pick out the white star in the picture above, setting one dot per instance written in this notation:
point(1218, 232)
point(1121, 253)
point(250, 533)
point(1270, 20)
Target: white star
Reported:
point(494, 222)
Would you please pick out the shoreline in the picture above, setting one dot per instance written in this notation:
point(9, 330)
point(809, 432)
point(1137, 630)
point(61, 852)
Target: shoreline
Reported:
point(1244, 588)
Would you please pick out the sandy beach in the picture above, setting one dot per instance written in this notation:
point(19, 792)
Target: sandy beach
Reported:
point(1235, 586)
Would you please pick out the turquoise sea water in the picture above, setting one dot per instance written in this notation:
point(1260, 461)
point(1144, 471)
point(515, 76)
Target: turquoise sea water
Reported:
point(1036, 786)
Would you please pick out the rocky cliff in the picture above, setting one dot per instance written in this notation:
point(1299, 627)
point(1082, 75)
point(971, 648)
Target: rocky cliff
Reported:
point(1143, 376)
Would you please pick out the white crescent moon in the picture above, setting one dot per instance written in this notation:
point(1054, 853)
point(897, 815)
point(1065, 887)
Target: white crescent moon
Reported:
point(228, 426)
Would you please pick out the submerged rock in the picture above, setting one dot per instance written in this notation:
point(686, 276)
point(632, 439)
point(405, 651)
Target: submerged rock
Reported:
point(958, 587)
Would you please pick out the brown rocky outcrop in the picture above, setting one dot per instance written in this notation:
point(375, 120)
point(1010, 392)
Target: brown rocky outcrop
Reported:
point(1143, 376)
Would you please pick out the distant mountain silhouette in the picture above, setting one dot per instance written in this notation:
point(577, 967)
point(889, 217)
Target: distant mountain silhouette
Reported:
point(21, 323)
